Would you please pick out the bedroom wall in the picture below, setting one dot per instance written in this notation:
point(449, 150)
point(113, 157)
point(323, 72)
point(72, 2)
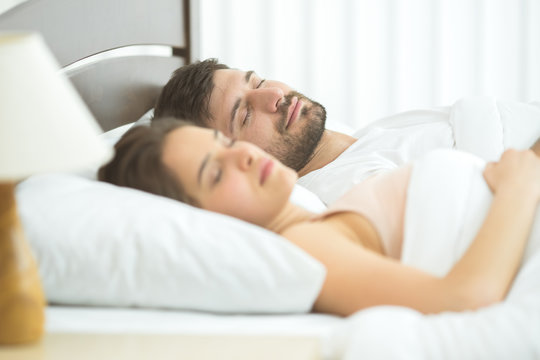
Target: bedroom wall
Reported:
point(364, 59)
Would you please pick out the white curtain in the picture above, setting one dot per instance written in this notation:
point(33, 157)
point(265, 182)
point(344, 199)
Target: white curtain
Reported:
point(365, 59)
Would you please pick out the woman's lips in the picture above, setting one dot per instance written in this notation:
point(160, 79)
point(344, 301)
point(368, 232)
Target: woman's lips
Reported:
point(293, 112)
point(266, 169)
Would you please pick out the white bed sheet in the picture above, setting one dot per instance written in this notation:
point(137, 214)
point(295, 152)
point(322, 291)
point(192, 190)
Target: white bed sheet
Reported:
point(61, 319)
point(129, 321)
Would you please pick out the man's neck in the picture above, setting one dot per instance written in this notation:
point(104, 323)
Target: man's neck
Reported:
point(332, 144)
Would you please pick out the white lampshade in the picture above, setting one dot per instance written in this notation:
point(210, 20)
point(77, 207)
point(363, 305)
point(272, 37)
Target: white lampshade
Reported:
point(44, 124)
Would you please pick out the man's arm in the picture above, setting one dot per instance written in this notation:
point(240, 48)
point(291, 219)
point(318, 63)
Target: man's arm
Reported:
point(536, 147)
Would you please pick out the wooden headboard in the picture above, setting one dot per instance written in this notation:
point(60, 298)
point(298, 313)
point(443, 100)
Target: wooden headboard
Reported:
point(117, 53)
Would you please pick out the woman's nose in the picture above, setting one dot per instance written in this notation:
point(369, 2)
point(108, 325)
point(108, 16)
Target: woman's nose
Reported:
point(266, 99)
point(240, 154)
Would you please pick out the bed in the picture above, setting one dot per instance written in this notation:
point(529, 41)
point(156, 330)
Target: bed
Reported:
point(115, 292)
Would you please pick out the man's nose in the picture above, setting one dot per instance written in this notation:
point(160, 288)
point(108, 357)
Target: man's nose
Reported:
point(266, 99)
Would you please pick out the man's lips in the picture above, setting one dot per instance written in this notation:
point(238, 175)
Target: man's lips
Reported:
point(294, 110)
point(266, 169)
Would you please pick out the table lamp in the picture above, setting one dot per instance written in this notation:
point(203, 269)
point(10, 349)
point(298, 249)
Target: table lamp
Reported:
point(44, 126)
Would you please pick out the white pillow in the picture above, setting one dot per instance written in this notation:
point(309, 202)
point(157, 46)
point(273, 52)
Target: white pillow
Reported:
point(306, 199)
point(145, 119)
point(99, 244)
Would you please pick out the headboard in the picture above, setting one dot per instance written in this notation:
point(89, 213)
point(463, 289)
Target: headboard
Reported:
point(117, 53)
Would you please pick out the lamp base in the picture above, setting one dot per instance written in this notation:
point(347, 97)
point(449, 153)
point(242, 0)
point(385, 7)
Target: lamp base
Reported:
point(21, 296)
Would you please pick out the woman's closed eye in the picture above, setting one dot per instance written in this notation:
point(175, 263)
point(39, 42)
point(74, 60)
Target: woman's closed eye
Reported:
point(218, 172)
point(217, 176)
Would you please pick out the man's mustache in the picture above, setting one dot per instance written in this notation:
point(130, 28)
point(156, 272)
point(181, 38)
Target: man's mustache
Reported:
point(284, 110)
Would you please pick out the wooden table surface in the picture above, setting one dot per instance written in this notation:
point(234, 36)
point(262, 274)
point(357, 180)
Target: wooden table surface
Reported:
point(80, 346)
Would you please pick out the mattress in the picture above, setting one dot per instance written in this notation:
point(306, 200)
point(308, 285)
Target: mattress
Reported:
point(61, 319)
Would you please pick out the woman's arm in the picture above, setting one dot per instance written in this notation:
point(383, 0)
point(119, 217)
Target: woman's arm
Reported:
point(493, 258)
point(358, 278)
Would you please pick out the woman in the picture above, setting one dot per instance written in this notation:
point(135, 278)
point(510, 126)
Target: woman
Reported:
point(359, 241)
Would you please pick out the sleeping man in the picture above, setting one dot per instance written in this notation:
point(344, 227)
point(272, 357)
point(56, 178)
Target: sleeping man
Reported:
point(291, 127)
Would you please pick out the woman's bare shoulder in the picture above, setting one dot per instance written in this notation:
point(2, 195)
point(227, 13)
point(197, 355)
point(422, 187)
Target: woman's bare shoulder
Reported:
point(308, 229)
point(317, 236)
point(348, 227)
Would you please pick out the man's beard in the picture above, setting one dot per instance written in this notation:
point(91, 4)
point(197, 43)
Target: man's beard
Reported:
point(296, 150)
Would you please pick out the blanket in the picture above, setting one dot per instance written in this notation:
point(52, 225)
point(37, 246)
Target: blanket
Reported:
point(438, 229)
point(483, 126)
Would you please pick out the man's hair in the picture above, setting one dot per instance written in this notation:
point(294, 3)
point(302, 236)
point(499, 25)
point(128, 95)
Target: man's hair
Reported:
point(138, 164)
point(187, 94)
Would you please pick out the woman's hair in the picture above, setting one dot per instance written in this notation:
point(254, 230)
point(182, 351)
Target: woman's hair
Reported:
point(138, 164)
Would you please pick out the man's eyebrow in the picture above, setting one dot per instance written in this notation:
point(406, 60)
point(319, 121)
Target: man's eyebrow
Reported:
point(236, 105)
point(205, 161)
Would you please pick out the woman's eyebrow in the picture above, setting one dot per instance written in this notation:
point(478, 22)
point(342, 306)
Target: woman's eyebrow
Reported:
point(205, 161)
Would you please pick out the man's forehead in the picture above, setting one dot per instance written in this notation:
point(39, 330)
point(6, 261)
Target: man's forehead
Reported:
point(218, 109)
point(225, 78)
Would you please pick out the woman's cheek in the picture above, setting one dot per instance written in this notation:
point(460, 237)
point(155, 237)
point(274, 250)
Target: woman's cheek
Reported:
point(234, 199)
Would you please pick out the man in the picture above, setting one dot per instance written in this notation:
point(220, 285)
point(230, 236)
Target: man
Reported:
point(291, 126)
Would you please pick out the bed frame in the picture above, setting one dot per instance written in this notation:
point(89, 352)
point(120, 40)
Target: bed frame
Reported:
point(117, 53)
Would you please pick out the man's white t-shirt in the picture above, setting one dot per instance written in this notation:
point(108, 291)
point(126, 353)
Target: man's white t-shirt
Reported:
point(385, 145)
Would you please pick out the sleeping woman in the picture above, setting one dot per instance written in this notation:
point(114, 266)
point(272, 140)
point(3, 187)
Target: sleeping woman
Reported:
point(359, 238)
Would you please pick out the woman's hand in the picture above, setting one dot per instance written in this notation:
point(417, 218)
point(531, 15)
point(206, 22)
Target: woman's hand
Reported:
point(516, 171)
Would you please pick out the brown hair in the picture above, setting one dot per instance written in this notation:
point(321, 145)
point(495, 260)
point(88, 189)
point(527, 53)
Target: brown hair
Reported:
point(137, 161)
point(187, 94)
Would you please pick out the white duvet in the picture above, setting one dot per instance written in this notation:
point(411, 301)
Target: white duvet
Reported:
point(483, 126)
point(447, 201)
